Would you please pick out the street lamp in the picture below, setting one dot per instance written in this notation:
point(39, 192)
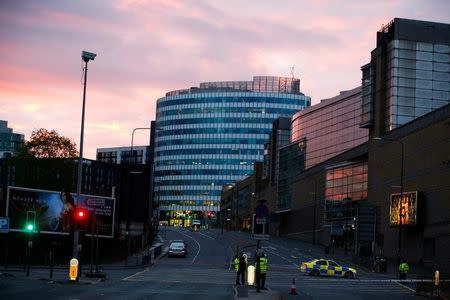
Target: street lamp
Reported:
point(401, 196)
point(86, 56)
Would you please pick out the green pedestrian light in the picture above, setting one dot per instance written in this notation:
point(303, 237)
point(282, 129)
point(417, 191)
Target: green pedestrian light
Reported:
point(31, 221)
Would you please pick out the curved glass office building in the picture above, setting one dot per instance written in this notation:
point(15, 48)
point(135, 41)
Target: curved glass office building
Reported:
point(209, 136)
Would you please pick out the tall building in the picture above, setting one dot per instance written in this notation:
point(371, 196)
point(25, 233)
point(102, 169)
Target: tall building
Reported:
point(408, 75)
point(210, 136)
point(10, 142)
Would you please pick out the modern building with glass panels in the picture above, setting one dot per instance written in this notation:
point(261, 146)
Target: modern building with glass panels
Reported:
point(330, 127)
point(408, 75)
point(210, 136)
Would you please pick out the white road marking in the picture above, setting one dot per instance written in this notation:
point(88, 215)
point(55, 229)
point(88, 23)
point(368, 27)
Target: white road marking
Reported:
point(194, 241)
point(207, 236)
point(138, 273)
point(293, 256)
point(404, 286)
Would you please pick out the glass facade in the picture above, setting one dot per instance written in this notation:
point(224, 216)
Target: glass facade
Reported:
point(347, 182)
point(417, 80)
point(291, 164)
point(210, 136)
point(330, 127)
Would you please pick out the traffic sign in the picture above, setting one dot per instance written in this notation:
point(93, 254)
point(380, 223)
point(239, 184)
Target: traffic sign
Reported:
point(261, 211)
point(264, 237)
point(260, 221)
point(4, 224)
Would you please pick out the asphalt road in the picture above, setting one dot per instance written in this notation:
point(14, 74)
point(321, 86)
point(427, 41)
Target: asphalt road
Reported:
point(206, 273)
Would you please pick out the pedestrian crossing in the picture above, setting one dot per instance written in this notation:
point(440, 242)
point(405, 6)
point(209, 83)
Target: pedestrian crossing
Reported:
point(185, 275)
point(277, 279)
point(325, 286)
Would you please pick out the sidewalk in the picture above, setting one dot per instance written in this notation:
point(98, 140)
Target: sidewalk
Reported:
point(60, 273)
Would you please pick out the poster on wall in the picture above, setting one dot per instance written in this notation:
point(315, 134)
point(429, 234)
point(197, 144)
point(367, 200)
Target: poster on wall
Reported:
point(404, 208)
point(50, 208)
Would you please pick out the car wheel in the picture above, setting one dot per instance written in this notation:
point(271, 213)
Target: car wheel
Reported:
point(315, 272)
point(349, 275)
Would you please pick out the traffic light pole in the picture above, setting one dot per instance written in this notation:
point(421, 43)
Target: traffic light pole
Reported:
point(76, 234)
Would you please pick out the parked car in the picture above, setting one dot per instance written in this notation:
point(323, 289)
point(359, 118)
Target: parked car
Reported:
point(326, 267)
point(177, 248)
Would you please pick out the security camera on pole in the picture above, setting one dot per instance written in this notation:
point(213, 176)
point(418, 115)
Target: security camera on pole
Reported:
point(86, 56)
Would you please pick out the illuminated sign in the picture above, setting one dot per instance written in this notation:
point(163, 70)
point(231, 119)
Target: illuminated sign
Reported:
point(404, 208)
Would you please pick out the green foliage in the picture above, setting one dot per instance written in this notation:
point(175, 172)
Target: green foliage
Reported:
point(48, 144)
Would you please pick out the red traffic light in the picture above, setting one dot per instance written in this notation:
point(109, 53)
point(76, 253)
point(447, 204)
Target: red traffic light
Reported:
point(81, 214)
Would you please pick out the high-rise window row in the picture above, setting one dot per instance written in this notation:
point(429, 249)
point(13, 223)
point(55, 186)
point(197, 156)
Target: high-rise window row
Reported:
point(210, 136)
point(417, 80)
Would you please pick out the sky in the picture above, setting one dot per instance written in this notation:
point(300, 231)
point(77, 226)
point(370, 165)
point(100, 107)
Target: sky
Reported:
point(147, 48)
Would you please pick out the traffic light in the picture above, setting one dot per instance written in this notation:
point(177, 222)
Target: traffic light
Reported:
point(30, 224)
point(81, 218)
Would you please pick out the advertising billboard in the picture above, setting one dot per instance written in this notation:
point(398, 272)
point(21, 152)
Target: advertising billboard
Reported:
point(50, 210)
point(404, 207)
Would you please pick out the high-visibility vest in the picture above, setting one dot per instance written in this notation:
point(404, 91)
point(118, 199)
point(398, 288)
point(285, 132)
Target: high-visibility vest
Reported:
point(403, 268)
point(236, 264)
point(263, 264)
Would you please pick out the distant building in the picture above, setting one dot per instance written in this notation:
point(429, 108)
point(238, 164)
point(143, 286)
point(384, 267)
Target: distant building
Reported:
point(211, 135)
point(121, 155)
point(10, 142)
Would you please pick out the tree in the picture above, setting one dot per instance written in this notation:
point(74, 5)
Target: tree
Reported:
point(48, 144)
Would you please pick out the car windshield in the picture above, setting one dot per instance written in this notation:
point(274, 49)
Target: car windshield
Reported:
point(177, 245)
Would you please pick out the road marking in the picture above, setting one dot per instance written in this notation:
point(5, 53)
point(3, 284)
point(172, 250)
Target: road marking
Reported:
point(404, 286)
point(293, 256)
point(138, 273)
point(194, 241)
point(207, 236)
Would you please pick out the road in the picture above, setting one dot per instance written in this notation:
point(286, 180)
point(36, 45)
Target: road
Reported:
point(206, 274)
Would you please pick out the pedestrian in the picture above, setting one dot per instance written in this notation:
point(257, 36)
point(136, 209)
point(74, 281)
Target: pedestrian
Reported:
point(242, 267)
point(263, 267)
point(403, 269)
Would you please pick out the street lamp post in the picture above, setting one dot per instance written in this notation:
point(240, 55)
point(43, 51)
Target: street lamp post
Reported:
point(400, 215)
point(86, 56)
point(314, 214)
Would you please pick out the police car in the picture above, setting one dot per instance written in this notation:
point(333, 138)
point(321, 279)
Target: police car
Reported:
point(326, 267)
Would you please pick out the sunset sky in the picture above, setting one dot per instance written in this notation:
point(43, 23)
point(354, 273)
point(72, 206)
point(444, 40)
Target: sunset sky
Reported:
point(146, 48)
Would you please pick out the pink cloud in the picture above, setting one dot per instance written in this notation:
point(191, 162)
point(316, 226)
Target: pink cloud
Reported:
point(146, 48)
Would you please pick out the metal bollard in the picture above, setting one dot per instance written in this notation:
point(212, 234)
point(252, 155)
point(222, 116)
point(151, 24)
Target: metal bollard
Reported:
point(51, 264)
point(436, 282)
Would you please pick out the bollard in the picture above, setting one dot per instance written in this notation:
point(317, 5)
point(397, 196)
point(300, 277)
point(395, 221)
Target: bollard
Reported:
point(51, 264)
point(73, 270)
point(436, 282)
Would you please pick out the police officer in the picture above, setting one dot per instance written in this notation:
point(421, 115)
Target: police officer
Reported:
point(403, 269)
point(236, 267)
point(241, 264)
point(263, 270)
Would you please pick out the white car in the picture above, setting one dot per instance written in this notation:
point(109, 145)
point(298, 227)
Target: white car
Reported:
point(177, 249)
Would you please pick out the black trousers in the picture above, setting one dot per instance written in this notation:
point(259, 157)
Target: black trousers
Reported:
point(242, 275)
point(263, 280)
